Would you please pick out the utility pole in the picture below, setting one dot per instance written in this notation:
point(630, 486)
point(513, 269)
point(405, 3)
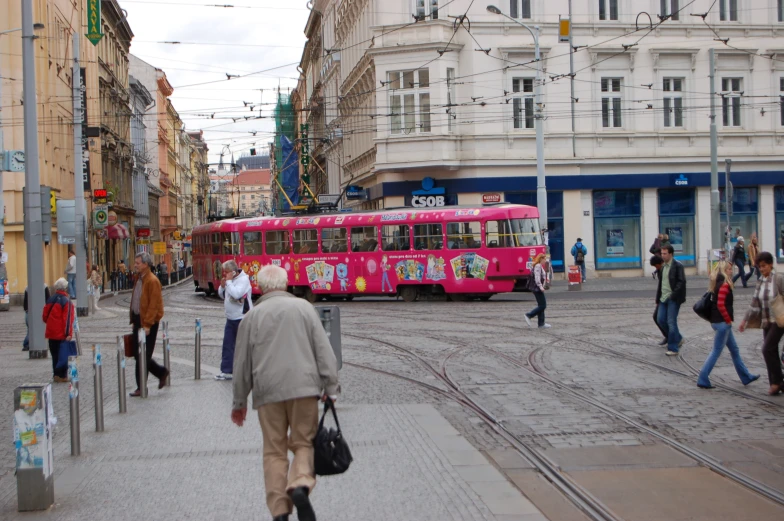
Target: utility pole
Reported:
point(571, 78)
point(32, 203)
point(716, 236)
point(82, 307)
point(541, 187)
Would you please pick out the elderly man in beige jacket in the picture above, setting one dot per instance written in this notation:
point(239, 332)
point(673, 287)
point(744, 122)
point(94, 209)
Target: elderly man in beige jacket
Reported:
point(283, 356)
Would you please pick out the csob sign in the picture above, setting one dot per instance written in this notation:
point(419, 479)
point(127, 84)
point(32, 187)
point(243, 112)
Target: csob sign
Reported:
point(425, 201)
point(681, 180)
point(430, 196)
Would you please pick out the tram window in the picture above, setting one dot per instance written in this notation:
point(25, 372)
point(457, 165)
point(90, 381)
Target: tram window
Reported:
point(305, 241)
point(277, 243)
point(499, 234)
point(526, 232)
point(364, 238)
point(463, 236)
point(252, 243)
point(334, 240)
point(216, 243)
point(395, 238)
point(428, 236)
point(230, 243)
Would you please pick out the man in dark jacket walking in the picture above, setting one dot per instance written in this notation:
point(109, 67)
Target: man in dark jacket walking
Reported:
point(669, 297)
point(739, 259)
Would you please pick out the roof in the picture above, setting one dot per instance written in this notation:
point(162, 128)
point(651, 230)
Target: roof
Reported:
point(255, 177)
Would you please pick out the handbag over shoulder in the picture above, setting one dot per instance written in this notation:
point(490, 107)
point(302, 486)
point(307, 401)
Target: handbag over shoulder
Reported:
point(331, 453)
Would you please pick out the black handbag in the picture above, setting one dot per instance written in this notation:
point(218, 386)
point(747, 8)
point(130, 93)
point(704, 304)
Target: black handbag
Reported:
point(703, 306)
point(331, 453)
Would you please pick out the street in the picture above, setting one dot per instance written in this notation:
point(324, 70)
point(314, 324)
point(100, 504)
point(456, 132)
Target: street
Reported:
point(594, 395)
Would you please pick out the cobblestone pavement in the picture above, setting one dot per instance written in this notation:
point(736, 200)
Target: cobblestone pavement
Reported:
point(462, 340)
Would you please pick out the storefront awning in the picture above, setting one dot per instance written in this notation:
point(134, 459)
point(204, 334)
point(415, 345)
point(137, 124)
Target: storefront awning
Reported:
point(118, 231)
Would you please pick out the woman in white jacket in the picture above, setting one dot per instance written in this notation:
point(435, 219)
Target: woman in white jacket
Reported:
point(539, 279)
point(235, 290)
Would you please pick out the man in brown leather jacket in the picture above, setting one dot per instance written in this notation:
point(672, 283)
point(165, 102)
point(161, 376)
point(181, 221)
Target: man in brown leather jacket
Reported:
point(146, 313)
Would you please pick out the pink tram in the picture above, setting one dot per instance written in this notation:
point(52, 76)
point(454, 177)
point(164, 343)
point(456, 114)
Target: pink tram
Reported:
point(461, 251)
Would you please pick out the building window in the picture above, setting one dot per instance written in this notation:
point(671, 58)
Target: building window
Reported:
point(410, 101)
point(520, 8)
point(425, 8)
point(451, 99)
point(781, 98)
point(730, 101)
point(780, 10)
point(670, 8)
point(608, 9)
point(395, 238)
point(611, 102)
point(673, 102)
point(523, 102)
point(728, 10)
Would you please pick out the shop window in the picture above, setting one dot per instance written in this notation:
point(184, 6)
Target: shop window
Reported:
point(277, 242)
point(743, 221)
point(364, 238)
point(676, 220)
point(252, 242)
point(305, 241)
point(617, 229)
point(428, 236)
point(464, 236)
point(395, 238)
point(778, 196)
point(334, 240)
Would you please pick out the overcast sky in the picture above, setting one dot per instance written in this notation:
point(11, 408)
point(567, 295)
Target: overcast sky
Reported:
point(255, 35)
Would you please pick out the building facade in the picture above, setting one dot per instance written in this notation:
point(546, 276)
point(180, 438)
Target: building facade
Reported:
point(255, 192)
point(626, 156)
point(141, 99)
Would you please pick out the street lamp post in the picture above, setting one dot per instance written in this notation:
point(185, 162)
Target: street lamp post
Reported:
point(541, 186)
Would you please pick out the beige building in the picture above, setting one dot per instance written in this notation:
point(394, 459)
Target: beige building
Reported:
point(54, 65)
point(254, 192)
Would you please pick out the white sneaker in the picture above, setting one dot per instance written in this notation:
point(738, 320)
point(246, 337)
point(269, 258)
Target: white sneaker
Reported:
point(671, 353)
point(223, 376)
point(546, 326)
point(528, 321)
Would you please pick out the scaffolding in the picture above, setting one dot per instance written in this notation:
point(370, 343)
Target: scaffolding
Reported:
point(285, 125)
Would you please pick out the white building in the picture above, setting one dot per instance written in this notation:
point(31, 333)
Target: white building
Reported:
point(405, 101)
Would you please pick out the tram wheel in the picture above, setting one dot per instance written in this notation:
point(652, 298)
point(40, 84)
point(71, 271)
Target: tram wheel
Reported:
point(349, 298)
point(485, 298)
point(409, 293)
point(457, 297)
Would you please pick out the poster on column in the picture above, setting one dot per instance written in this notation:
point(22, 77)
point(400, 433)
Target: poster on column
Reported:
point(615, 244)
point(676, 238)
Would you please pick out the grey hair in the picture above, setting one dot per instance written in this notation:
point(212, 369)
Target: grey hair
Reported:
point(60, 284)
point(146, 258)
point(230, 265)
point(273, 278)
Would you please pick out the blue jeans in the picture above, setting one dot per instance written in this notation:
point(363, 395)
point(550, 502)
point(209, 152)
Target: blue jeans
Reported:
point(229, 341)
point(71, 284)
point(538, 311)
point(724, 337)
point(582, 269)
point(742, 273)
point(668, 322)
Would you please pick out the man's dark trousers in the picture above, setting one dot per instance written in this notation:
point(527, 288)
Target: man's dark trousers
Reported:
point(229, 340)
point(152, 366)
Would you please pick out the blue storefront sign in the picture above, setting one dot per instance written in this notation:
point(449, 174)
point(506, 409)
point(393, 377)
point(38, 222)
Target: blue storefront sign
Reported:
point(430, 196)
point(356, 193)
point(680, 180)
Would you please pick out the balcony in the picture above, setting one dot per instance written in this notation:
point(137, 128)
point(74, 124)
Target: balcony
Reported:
point(169, 222)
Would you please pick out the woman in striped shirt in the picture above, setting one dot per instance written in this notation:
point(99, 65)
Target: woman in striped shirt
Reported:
point(721, 319)
point(760, 315)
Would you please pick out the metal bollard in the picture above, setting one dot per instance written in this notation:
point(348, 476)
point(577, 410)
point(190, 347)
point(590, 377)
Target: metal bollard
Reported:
point(98, 385)
point(166, 352)
point(121, 373)
point(197, 365)
point(142, 364)
point(73, 396)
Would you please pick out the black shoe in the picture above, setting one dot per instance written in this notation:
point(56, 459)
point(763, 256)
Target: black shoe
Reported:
point(299, 496)
point(663, 342)
point(284, 517)
point(705, 386)
point(26, 348)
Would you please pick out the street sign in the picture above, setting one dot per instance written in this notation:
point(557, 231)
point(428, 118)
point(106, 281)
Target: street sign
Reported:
point(112, 218)
point(491, 198)
point(94, 33)
point(159, 248)
point(99, 196)
point(564, 29)
point(100, 216)
point(329, 198)
point(66, 221)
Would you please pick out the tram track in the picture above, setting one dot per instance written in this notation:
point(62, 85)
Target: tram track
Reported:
point(576, 494)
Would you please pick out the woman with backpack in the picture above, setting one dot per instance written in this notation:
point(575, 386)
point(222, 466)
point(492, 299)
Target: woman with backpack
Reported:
point(536, 284)
point(59, 315)
point(721, 317)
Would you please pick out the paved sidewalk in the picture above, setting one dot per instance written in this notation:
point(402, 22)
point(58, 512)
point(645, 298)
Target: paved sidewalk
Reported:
point(177, 455)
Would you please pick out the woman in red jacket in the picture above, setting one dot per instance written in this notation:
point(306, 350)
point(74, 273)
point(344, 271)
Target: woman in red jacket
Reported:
point(722, 315)
point(56, 315)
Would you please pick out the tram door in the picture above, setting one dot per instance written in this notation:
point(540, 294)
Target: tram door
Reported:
point(555, 224)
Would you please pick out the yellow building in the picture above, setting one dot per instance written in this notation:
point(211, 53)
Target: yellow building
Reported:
point(54, 65)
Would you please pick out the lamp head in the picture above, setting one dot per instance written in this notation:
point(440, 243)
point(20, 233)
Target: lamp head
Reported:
point(39, 27)
point(493, 9)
